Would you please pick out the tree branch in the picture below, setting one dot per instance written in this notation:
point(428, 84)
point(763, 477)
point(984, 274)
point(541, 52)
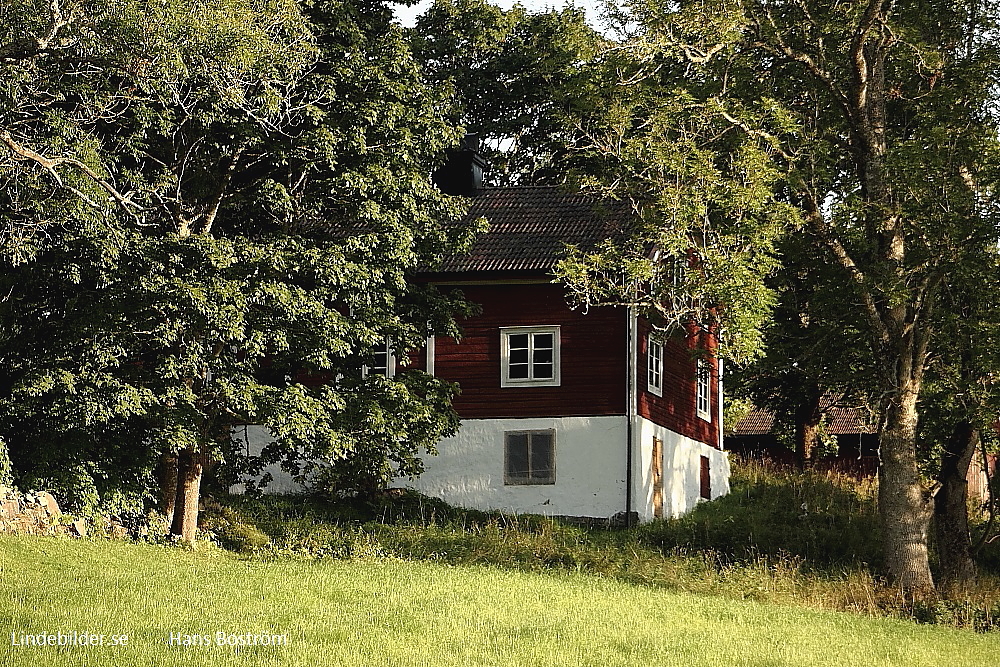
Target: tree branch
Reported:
point(23, 49)
point(220, 192)
point(50, 164)
point(771, 140)
point(782, 49)
point(858, 58)
point(820, 227)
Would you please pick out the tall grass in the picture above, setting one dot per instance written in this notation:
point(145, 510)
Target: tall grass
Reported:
point(826, 519)
point(780, 536)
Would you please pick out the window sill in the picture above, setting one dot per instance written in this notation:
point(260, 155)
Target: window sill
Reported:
point(507, 383)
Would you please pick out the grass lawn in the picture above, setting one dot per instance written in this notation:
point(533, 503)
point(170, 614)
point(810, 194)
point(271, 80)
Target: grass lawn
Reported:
point(394, 612)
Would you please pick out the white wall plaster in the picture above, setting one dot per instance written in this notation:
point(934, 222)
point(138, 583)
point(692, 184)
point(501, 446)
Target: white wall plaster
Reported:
point(681, 470)
point(590, 468)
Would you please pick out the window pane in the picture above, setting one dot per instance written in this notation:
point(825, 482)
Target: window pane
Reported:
point(517, 455)
point(541, 455)
point(529, 357)
point(543, 341)
point(542, 371)
point(517, 341)
point(518, 371)
point(704, 389)
point(654, 362)
point(380, 365)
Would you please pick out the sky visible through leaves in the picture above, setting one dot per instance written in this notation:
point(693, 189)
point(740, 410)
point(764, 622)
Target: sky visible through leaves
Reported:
point(408, 15)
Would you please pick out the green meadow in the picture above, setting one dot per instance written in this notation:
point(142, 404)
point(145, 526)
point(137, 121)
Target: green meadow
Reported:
point(386, 611)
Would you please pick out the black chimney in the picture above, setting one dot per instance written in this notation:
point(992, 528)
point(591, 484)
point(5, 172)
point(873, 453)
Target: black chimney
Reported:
point(462, 173)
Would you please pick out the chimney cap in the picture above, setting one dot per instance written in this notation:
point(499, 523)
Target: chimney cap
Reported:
point(462, 172)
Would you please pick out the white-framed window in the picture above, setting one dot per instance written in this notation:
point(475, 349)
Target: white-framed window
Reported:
point(383, 362)
point(703, 390)
point(654, 365)
point(529, 356)
point(529, 457)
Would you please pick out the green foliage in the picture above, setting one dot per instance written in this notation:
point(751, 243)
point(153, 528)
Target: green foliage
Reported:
point(6, 472)
point(520, 79)
point(222, 220)
point(826, 519)
point(816, 343)
point(706, 200)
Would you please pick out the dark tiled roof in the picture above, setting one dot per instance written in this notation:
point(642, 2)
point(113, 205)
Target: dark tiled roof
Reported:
point(758, 422)
point(529, 227)
point(839, 421)
point(843, 421)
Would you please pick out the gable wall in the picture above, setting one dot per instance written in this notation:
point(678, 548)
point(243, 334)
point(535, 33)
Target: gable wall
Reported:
point(676, 409)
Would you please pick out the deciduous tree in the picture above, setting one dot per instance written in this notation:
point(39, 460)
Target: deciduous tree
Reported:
point(877, 115)
point(221, 206)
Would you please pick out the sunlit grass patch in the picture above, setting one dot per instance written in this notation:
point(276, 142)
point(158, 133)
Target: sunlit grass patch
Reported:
point(393, 612)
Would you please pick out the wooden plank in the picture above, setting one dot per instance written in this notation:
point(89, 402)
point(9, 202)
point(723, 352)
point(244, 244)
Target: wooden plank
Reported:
point(657, 473)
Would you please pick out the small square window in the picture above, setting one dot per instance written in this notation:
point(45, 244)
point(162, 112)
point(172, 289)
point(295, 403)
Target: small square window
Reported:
point(654, 365)
point(703, 390)
point(529, 457)
point(529, 356)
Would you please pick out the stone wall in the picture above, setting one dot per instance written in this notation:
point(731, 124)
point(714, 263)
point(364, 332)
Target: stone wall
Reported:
point(34, 513)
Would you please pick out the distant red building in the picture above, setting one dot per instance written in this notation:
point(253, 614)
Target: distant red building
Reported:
point(756, 435)
point(856, 453)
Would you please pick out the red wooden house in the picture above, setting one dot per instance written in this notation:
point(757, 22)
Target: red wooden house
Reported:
point(565, 412)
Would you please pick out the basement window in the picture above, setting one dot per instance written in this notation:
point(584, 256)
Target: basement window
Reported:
point(529, 356)
point(529, 457)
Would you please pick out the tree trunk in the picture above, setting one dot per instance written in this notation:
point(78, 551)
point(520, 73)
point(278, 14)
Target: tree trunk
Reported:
point(168, 486)
point(807, 419)
point(951, 509)
point(903, 503)
point(190, 465)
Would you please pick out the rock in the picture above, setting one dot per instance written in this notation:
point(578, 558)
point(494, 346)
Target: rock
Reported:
point(79, 528)
point(9, 509)
point(46, 500)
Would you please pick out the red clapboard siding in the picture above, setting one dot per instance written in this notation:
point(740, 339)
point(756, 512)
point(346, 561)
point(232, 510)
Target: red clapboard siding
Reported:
point(593, 351)
point(676, 409)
